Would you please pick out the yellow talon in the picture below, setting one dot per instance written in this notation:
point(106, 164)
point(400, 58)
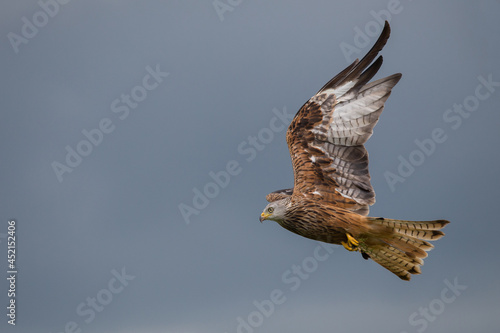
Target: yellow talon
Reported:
point(351, 244)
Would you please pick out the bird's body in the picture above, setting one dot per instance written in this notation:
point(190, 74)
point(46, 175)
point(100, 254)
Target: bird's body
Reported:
point(332, 192)
point(337, 221)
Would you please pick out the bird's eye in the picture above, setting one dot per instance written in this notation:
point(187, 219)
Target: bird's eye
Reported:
point(270, 210)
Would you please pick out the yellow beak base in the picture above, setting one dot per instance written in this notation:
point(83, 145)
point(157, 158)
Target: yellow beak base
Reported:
point(264, 216)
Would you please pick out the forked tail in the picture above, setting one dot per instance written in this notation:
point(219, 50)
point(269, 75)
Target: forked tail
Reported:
point(400, 246)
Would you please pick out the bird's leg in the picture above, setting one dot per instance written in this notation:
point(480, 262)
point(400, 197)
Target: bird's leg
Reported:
point(351, 244)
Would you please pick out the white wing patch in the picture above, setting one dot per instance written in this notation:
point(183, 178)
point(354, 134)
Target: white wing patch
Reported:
point(349, 118)
point(340, 91)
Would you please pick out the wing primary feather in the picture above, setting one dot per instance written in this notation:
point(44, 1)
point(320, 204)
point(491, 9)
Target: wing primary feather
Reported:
point(368, 58)
point(339, 77)
point(356, 71)
point(367, 75)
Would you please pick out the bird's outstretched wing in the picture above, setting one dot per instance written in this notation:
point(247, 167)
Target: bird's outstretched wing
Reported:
point(327, 134)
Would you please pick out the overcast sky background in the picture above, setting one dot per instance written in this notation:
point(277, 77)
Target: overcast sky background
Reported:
point(118, 210)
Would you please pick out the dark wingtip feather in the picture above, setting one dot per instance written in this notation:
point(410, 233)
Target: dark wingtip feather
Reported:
point(339, 77)
point(443, 222)
point(368, 74)
point(376, 48)
point(357, 67)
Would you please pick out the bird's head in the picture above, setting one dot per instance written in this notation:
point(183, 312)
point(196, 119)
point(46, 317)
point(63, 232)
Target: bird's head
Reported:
point(274, 211)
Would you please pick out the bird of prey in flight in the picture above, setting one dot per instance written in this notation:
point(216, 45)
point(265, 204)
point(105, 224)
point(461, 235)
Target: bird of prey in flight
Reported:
point(332, 193)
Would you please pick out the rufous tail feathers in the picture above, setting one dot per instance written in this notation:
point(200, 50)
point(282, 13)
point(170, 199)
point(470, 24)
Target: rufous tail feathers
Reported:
point(401, 246)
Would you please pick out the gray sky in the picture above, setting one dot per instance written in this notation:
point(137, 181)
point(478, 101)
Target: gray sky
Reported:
point(158, 98)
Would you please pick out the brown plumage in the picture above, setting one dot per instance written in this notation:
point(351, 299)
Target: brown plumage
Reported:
point(332, 192)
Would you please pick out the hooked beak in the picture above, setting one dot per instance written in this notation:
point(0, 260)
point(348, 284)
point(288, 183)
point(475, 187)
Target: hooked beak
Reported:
point(263, 217)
